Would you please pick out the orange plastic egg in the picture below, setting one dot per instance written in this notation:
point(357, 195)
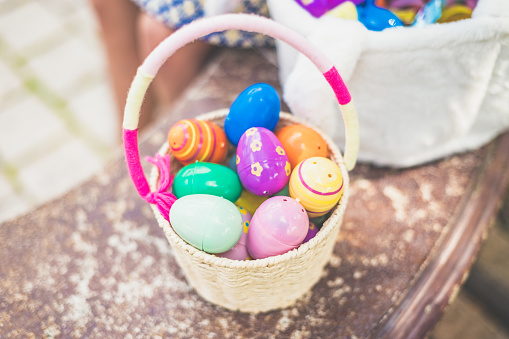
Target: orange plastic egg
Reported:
point(194, 140)
point(301, 142)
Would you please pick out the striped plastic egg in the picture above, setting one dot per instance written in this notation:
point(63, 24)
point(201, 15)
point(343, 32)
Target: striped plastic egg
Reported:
point(317, 183)
point(193, 140)
point(262, 163)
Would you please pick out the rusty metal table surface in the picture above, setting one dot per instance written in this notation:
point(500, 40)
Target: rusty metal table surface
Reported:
point(94, 263)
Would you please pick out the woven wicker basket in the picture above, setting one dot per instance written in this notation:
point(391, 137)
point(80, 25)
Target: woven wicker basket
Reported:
point(253, 285)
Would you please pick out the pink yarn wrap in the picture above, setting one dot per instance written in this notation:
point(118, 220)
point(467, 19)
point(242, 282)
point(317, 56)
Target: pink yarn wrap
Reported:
point(338, 86)
point(161, 197)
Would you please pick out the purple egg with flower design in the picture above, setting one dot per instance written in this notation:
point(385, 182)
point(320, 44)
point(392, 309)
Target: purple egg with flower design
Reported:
point(262, 162)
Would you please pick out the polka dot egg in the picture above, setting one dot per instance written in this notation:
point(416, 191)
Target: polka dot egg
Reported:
point(317, 183)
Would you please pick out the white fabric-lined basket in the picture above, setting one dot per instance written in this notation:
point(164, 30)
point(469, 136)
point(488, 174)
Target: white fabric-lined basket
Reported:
point(422, 93)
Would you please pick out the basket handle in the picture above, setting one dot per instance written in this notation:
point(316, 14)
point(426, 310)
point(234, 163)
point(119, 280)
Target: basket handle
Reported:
point(201, 27)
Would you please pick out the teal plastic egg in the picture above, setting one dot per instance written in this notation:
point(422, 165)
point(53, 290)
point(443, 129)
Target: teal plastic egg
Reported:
point(207, 178)
point(207, 222)
point(257, 106)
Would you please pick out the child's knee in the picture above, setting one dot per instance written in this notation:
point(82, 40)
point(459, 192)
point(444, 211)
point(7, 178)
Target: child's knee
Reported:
point(152, 31)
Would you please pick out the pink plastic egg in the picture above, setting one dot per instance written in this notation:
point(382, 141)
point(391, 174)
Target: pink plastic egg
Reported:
point(239, 251)
point(262, 162)
point(279, 225)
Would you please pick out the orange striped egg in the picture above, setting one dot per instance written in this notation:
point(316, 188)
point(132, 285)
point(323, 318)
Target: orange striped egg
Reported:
point(317, 184)
point(194, 140)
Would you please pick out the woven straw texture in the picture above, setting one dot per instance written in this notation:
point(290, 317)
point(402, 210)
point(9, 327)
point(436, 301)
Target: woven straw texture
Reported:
point(257, 285)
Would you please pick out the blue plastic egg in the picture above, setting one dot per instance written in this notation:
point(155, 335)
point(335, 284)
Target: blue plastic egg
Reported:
point(257, 106)
point(376, 18)
point(207, 222)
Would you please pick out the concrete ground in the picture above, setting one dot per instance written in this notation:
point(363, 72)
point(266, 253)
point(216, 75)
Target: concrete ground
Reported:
point(57, 121)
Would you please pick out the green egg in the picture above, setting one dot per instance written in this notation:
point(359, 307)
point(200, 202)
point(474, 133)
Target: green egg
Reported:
point(207, 178)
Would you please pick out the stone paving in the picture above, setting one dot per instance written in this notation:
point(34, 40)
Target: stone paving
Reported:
point(57, 119)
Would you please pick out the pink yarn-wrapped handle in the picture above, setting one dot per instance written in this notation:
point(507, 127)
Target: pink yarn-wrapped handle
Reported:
point(203, 27)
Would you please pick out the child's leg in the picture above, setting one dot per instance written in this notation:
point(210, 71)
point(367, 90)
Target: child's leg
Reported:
point(117, 20)
point(179, 69)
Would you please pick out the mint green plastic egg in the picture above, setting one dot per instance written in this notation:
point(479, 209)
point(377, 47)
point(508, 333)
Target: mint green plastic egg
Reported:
point(207, 222)
point(207, 178)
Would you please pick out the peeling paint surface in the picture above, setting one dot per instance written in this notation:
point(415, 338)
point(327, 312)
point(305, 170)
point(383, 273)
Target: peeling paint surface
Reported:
point(95, 264)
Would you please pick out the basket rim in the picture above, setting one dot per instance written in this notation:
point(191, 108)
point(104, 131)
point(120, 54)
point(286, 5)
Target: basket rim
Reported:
point(325, 231)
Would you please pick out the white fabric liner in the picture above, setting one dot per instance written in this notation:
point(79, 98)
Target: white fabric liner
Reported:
point(421, 93)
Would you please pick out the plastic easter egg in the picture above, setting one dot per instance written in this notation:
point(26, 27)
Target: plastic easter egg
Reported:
point(239, 251)
point(335, 3)
point(428, 14)
point(455, 13)
point(285, 192)
point(312, 231)
point(346, 10)
point(250, 201)
point(407, 16)
point(262, 163)
point(193, 140)
point(316, 8)
point(317, 183)
point(207, 178)
point(232, 163)
point(413, 4)
point(257, 106)
point(301, 142)
point(376, 18)
point(318, 221)
point(319, 7)
point(279, 225)
point(207, 222)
